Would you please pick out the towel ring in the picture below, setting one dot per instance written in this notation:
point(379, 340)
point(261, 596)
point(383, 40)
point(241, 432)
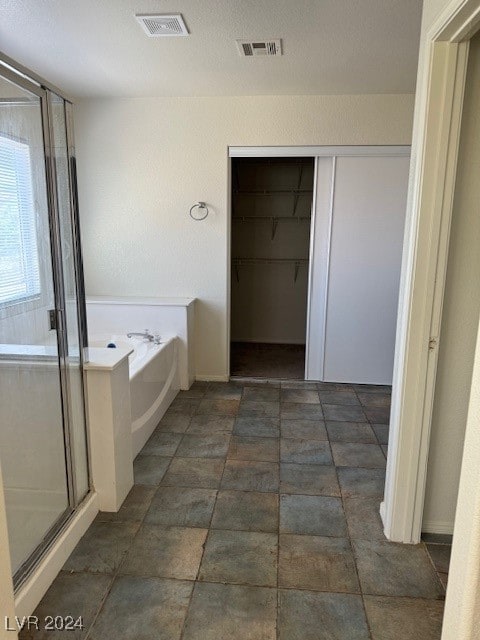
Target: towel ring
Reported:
point(199, 205)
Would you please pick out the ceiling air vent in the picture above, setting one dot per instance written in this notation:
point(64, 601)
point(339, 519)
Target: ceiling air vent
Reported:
point(161, 25)
point(259, 47)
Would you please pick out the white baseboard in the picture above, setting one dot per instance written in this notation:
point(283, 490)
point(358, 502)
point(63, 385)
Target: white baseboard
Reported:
point(209, 378)
point(30, 594)
point(435, 526)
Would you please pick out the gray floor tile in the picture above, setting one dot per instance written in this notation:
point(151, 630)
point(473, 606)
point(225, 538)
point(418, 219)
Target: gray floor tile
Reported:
point(165, 552)
point(251, 448)
point(204, 446)
point(183, 406)
point(218, 407)
point(312, 515)
point(317, 563)
point(385, 450)
point(348, 397)
point(149, 469)
point(250, 475)
point(380, 415)
point(343, 412)
point(259, 427)
point(375, 399)
point(102, 548)
point(305, 615)
point(259, 409)
point(356, 454)
point(246, 511)
point(302, 451)
point(197, 390)
point(224, 390)
point(240, 557)
point(390, 569)
point(299, 411)
point(202, 473)
point(307, 429)
point(162, 443)
point(303, 396)
point(226, 611)
point(351, 432)
point(443, 579)
point(180, 506)
point(404, 618)
point(261, 394)
point(440, 555)
point(209, 425)
point(361, 483)
point(72, 594)
point(381, 431)
point(143, 608)
point(363, 518)
point(174, 423)
point(134, 507)
point(308, 479)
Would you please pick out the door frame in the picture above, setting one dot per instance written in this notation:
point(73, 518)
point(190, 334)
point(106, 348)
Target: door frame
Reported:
point(440, 93)
point(321, 272)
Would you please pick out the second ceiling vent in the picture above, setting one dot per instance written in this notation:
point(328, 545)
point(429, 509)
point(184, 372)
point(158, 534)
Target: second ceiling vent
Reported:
point(259, 47)
point(161, 25)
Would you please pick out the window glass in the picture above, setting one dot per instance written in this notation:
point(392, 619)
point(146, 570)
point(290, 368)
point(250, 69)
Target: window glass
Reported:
point(19, 268)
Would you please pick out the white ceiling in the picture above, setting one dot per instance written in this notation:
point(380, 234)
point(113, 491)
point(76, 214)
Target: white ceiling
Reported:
point(96, 48)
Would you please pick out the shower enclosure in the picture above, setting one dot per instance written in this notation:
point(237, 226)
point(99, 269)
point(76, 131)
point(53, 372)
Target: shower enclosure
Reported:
point(43, 438)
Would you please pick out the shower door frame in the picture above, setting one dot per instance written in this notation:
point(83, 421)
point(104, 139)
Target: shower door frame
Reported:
point(22, 77)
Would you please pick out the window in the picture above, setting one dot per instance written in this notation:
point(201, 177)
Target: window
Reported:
point(19, 268)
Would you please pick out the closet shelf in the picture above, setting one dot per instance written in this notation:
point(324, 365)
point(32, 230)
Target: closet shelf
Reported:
point(296, 262)
point(273, 219)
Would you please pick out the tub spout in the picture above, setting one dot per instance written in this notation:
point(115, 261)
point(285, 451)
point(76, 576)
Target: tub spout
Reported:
point(143, 334)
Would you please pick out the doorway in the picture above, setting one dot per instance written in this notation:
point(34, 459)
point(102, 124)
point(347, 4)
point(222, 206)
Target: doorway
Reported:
point(316, 244)
point(271, 208)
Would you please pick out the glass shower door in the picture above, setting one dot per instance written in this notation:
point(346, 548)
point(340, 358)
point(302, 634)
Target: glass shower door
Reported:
point(33, 453)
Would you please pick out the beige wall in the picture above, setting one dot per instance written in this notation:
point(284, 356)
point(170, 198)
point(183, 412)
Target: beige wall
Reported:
point(459, 320)
point(143, 162)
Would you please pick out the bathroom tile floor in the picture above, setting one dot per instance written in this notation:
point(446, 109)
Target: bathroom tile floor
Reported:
point(255, 515)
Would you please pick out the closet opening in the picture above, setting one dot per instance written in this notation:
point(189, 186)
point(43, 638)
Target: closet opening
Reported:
point(272, 202)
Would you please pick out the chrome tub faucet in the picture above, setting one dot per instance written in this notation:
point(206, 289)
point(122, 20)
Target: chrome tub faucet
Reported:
point(146, 335)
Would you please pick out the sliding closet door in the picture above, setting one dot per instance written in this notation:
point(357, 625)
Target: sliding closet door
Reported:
point(354, 279)
point(365, 259)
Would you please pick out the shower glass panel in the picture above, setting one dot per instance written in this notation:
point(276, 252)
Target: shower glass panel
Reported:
point(43, 447)
point(73, 357)
point(32, 449)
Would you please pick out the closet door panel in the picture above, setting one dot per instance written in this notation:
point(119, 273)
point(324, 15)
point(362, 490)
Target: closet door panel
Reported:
point(364, 271)
point(318, 273)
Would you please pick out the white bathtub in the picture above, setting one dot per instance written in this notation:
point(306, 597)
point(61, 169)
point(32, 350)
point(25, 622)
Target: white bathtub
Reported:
point(153, 371)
